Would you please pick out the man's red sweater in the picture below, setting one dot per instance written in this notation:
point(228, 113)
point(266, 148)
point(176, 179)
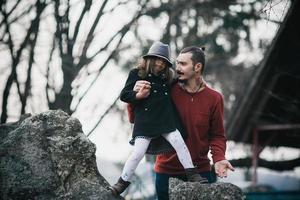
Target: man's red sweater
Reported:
point(202, 116)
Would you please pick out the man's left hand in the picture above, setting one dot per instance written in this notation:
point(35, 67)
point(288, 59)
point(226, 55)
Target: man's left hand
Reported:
point(221, 168)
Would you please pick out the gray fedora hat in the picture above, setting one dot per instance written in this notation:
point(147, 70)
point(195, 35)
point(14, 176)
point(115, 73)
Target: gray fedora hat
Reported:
point(161, 50)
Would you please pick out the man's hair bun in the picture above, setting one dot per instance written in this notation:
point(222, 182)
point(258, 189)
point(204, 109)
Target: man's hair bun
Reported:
point(202, 48)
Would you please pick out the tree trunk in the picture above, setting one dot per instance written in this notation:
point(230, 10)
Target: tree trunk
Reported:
point(6, 91)
point(64, 98)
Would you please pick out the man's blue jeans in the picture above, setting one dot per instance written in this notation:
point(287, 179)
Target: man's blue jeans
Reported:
point(162, 183)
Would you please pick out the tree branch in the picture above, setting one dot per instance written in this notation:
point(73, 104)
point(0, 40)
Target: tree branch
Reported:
point(273, 165)
point(30, 64)
point(47, 73)
point(90, 36)
point(86, 8)
point(58, 32)
point(20, 15)
point(102, 116)
point(16, 59)
point(123, 31)
point(9, 13)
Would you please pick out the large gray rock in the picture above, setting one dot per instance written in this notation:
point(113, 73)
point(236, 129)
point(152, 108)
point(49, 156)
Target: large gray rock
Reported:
point(179, 190)
point(47, 156)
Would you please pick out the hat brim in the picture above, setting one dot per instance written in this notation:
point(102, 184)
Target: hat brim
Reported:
point(160, 56)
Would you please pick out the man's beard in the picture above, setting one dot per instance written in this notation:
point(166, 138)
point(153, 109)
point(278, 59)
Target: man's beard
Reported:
point(183, 81)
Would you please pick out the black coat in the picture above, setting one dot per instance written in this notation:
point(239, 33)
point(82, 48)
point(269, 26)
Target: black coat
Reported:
point(154, 115)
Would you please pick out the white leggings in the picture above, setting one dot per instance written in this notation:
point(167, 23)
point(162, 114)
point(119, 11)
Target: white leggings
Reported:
point(141, 145)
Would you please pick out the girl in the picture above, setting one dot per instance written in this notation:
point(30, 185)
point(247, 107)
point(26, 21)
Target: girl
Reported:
point(154, 114)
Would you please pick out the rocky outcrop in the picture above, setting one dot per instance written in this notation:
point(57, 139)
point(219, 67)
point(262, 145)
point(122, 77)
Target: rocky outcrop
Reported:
point(47, 156)
point(179, 190)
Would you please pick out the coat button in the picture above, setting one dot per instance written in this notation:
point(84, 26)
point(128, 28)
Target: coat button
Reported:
point(146, 109)
point(164, 85)
point(166, 93)
point(149, 75)
point(155, 91)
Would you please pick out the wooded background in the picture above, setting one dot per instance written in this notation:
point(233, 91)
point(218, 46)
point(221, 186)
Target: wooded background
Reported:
point(54, 51)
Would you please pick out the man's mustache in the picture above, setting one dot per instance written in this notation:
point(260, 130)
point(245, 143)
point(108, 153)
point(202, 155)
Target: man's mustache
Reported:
point(179, 72)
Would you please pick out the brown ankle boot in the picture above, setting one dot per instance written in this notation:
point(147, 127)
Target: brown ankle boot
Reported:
point(119, 187)
point(193, 176)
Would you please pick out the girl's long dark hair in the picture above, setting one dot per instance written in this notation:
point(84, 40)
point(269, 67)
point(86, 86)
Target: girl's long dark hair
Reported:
point(146, 65)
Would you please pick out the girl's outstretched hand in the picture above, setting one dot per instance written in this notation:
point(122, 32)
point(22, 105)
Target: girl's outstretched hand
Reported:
point(142, 88)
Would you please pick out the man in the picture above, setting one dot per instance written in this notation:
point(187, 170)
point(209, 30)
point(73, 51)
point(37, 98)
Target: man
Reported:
point(201, 112)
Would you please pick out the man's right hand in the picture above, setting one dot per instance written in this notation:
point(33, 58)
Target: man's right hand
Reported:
point(221, 168)
point(142, 88)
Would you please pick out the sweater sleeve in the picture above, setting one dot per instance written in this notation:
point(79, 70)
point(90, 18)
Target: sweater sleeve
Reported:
point(217, 132)
point(127, 94)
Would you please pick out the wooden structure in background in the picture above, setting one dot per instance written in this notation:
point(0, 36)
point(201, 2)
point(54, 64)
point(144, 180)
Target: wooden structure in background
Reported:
point(269, 112)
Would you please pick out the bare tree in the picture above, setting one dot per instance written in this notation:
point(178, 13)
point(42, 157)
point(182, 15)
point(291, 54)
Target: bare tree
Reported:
point(65, 39)
point(29, 41)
